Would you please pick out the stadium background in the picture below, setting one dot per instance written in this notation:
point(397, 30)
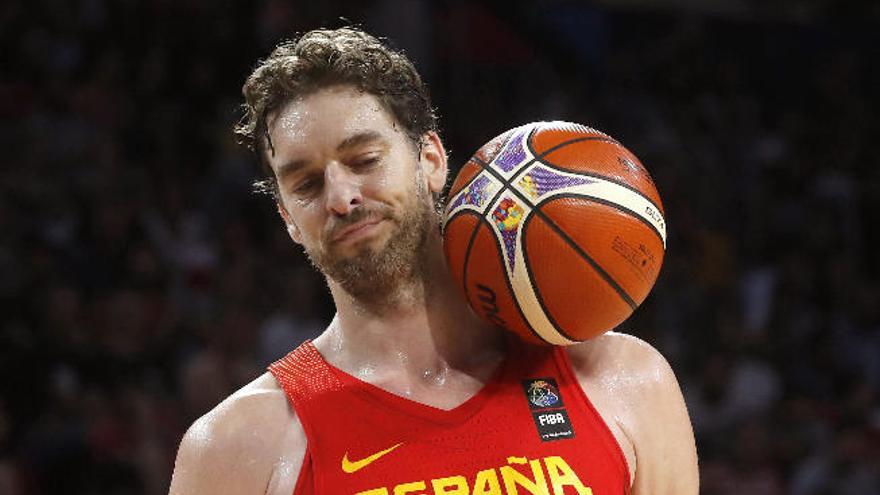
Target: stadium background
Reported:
point(141, 281)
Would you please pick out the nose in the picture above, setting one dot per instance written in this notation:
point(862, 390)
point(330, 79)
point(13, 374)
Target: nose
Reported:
point(343, 189)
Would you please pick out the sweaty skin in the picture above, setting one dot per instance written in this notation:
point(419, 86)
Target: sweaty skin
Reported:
point(253, 443)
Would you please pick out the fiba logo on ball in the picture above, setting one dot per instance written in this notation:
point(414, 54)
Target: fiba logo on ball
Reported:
point(554, 231)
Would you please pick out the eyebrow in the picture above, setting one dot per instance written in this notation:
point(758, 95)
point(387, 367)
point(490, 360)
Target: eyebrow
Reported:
point(347, 143)
point(357, 139)
point(290, 167)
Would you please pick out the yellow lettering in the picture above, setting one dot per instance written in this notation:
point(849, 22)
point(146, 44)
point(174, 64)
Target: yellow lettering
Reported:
point(404, 488)
point(453, 485)
point(487, 483)
point(512, 478)
point(561, 475)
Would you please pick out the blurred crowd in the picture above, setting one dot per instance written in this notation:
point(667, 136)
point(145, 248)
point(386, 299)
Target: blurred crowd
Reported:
point(141, 281)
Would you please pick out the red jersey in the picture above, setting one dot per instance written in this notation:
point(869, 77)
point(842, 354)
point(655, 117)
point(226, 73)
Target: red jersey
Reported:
point(530, 430)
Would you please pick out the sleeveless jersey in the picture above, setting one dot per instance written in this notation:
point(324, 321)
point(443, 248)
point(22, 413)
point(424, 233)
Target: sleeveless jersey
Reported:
point(530, 430)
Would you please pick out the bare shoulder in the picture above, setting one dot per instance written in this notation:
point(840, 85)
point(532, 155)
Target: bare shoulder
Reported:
point(629, 364)
point(251, 442)
point(637, 394)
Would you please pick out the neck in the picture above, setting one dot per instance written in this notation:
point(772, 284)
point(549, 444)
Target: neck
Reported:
point(426, 330)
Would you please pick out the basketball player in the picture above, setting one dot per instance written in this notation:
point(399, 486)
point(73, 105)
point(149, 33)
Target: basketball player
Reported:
point(407, 391)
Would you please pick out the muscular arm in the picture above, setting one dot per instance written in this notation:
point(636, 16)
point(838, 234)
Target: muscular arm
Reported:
point(638, 396)
point(249, 444)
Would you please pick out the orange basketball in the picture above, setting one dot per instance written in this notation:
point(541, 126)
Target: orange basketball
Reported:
point(555, 232)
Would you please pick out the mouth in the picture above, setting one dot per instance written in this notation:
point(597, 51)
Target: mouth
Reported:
point(357, 230)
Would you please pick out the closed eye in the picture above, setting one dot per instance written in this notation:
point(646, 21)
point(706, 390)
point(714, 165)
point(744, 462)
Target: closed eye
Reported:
point(307, 187)
point(366, 161)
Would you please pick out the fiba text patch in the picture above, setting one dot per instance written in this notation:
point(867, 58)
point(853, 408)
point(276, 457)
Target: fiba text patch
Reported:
point(548, 409)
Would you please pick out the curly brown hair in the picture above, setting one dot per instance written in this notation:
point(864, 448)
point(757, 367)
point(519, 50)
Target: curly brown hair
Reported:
point(323, 58)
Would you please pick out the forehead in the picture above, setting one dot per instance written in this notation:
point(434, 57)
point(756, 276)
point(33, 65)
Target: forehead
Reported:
point(323, 119)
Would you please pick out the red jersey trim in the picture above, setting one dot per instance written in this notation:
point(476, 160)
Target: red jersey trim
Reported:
point(563, 362)
point(302, 361)
point(426, 412)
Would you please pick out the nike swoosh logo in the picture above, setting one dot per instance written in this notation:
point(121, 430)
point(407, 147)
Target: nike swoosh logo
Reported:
point(351, 467)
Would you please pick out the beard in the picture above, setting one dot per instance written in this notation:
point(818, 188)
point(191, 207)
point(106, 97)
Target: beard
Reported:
point(375, 274)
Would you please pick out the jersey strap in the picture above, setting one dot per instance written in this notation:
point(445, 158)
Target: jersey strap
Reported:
point(305, 376)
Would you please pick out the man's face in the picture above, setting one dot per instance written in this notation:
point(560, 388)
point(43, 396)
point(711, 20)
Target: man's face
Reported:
point(354, 190)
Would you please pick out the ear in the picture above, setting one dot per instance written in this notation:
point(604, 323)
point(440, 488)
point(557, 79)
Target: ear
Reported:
point(292, 229)
point(433, 161)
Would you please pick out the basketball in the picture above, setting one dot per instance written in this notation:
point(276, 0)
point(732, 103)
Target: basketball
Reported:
point(554, 231)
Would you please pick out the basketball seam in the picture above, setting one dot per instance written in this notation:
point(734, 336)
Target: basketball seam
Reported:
point(500, 249)
point(463, 211)
point(467, 253)
point(565, 143)
point(467, 256)
point(539, 157)
point(534, 283)
point(617, 206)
point(603, 177)
point(470, 181)
point(621, 292)
point(589, 259)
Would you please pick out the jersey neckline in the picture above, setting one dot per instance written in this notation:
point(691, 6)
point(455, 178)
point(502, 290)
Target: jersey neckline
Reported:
point(383, 398)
